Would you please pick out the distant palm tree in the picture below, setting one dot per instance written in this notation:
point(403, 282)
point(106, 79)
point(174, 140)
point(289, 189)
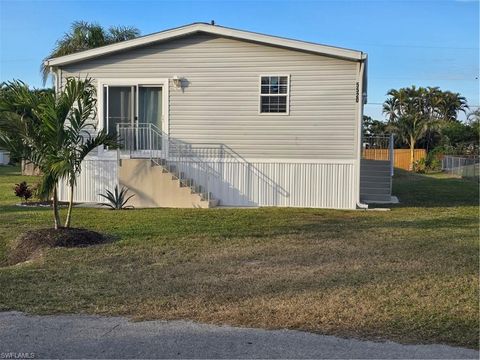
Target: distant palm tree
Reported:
point(415, 113)
point(408, 111)
point(450, 104)
point(84, 36)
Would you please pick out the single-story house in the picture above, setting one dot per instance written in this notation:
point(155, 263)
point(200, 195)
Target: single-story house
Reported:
point(210, 115)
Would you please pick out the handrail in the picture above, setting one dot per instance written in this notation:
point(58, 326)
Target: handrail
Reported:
point(200, 161)
point(379, 147)
point(187, 161)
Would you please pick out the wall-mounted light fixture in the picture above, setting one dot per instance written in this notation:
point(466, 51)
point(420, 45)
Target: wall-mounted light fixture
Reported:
point(177, 81)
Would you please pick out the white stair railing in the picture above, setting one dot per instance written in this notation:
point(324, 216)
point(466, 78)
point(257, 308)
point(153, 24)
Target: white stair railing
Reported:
point(193, 164)
point(379, 147)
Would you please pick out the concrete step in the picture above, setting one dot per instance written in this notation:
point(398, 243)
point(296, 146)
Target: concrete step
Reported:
point(213, 203)
point(374, 185)
point(376, 171)
point(375, 175)
point(375, 180)
point(375, 191)
point(374, 197)
point(374, 167)
point(183, 181)
point(374, 162)
point(186, 182)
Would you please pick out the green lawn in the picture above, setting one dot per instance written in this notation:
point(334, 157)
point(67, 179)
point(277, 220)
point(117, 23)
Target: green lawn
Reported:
point(409, 274)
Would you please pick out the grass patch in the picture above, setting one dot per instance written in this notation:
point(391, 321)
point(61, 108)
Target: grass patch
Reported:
point(409, 274)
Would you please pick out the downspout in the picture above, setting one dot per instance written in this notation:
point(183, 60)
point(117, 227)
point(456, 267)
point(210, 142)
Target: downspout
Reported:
point(55, 77)
point(361, 99)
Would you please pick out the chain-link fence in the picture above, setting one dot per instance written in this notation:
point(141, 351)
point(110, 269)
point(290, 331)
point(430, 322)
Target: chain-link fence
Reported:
point(463, 166)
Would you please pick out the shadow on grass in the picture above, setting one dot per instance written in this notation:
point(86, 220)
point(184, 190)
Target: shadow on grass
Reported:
point(10, 170)
point(23, 209)
point(433, 190)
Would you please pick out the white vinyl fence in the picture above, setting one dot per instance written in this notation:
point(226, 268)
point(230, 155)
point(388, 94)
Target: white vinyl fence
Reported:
point(461, 166)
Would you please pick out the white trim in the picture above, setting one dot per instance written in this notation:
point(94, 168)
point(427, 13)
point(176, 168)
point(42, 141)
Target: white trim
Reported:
point(358, 138)
point(347, 54)
point(287, 112)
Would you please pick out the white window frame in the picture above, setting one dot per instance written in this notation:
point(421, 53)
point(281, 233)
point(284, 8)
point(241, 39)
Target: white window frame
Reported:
point(260, 95)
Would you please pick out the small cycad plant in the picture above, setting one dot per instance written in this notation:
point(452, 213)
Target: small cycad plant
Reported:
point(118, 199)
point(23, 190)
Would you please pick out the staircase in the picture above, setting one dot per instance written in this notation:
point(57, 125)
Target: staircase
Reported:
point(185, 182)
point(375, 181)
point(165, 172)
point(155, 185)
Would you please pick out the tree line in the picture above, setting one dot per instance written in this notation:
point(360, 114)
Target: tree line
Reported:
point(428, 118)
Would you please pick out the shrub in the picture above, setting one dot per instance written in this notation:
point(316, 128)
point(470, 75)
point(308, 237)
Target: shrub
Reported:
point(118, 199)
point(419, 166)
point(23, 191)
point(433, 160)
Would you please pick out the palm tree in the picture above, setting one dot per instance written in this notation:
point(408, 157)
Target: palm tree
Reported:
point(450, 104)
point(71, 125)
point(13, 125)
point(54, 133)
point(84, 36)
point(408, 111)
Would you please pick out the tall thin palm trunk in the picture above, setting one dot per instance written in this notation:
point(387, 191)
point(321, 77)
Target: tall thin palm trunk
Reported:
point(412, 152)
point(70, 206)
point(56, 214)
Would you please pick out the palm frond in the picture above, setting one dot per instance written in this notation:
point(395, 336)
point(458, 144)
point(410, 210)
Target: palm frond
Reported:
point(83, 36)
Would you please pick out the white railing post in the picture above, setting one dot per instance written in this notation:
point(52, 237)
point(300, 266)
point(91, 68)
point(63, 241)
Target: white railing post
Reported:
point(391, 154)
point(208, 181)
point(150, 141)
point(118, 155)
point(118, 145)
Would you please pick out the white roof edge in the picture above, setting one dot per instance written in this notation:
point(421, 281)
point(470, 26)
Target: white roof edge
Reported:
point(211, 29)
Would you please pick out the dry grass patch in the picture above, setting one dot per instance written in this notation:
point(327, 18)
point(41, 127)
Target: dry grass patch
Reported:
point(410, 274)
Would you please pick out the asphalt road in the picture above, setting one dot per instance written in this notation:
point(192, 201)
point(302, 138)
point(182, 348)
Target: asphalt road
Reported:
point(82, 336)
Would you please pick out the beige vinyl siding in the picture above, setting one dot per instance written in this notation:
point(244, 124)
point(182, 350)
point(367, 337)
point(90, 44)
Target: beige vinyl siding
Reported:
point(221, 100)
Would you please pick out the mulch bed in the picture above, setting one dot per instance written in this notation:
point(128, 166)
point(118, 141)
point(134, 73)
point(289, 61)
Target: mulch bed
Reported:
point(31, 244)
point(43, 204)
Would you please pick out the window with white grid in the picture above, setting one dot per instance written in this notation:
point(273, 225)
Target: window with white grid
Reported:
point(274, 94)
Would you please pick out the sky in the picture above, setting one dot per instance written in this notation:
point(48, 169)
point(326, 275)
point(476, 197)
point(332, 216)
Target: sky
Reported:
point(423, 43)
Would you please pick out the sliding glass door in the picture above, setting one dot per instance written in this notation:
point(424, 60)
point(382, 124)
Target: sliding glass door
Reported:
point(150, 105)
point(118, 106)
point(138, 111)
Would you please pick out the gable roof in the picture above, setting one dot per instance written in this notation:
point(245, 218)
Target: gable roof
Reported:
point(333, 51)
